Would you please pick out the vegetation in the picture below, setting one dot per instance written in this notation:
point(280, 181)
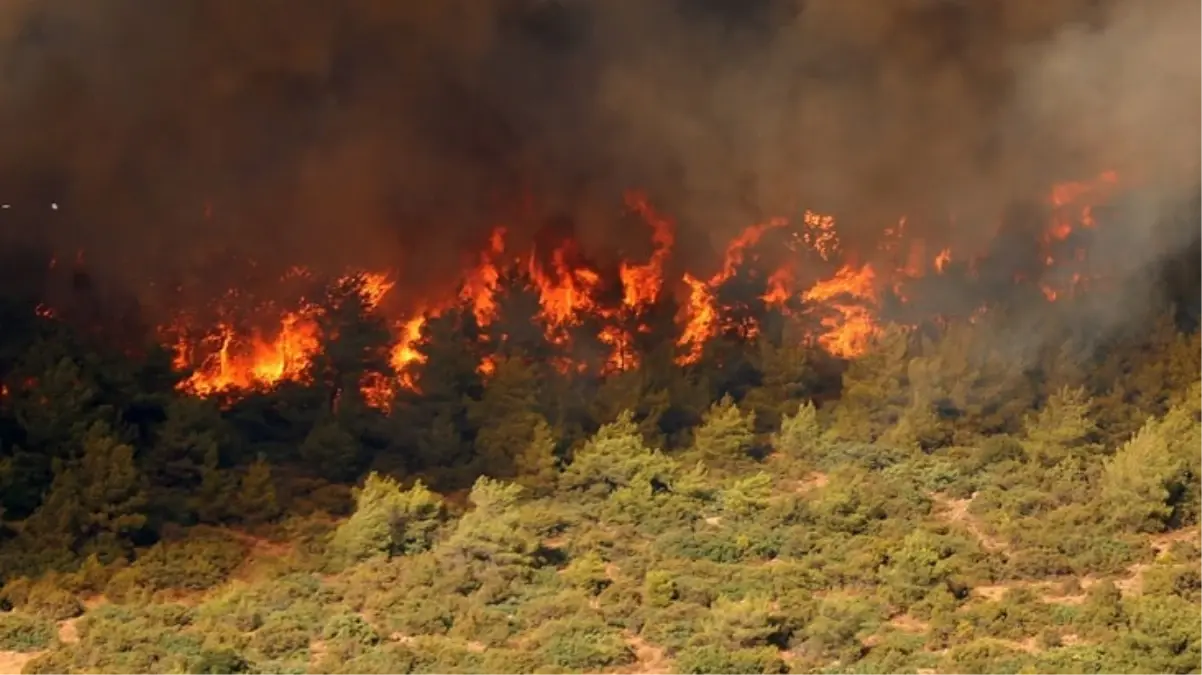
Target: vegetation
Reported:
point(936, 504)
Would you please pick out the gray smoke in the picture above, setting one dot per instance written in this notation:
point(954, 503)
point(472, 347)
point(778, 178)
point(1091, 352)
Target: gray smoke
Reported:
point(382, 133)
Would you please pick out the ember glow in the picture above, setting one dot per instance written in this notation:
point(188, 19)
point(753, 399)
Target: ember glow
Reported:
point(809, 271)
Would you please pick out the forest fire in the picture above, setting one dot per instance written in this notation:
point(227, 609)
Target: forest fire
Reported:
point(810, 273)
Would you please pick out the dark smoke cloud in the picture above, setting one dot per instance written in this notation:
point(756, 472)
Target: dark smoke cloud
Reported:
point(391, 133)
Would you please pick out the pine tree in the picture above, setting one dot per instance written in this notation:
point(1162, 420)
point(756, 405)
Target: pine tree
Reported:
point(875, 389)
point(186, 455)
point(211, 501)
point(1145, 374)
point(506, 417)
point(256, 500)
point(786, 378)
point(800, 435)
point(747, 496)
point(536, 465)
point(429, 422)
point(517, 329)
point(355, 341)
point(632, 390)
point(1183, 424)
point(388, 521)
point(112, 490)
point(979, 390)
point(61, 404)
point(1143, 482)
point(96, 502)
point(492, 531)
point(614, 458)
point(331, 451)
point(54, 396)
point(1063, 427)
point(726, 433)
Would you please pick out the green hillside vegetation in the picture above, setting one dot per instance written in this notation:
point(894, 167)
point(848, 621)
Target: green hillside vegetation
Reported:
point(942, 504)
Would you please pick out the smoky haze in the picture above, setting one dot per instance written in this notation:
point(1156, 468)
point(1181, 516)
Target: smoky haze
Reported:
point(382, 133)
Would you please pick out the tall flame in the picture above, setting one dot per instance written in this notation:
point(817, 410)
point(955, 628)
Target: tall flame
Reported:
point(847, 302)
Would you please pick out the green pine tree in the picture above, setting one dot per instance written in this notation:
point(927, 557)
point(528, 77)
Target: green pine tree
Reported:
point(331, 451)
point(615, 458)
point(387, 521)
point(726, 433)
point(536, 465)
point(875, 389)
point(256, 499)
point(800, 436)
point(1062, 428)
point(96, 503)
point(493, 531)
point(182, 466)
point(1136, 482)
point(506, 417)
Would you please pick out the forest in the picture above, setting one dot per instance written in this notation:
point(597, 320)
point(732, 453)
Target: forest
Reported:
point(942, 502)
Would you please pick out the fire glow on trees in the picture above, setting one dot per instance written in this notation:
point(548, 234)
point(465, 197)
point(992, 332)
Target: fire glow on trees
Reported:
point(816, 276)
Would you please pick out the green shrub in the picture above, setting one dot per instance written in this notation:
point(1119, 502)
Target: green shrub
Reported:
point(92, 576)
point(201, 561)
point(349, 627)
point(581, 643)
point(49, 601)
point(280, 638)
point(587, 573)
point(24, 633)
point(715, 659)
point(746, 623)
point(220, 662)
point(126, 587)
point(659, 588)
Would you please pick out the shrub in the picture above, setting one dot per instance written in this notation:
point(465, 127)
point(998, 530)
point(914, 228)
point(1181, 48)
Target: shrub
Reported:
point(715, 659)
point(349, 627)
point(280, 638)
point(220, 662)
point(49, 601)
point(199, 562)
point(581, 643)
point(24, 633)
point(587, 573)
point(750, 622)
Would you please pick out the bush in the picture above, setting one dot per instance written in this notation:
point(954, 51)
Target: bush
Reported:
point(202, 561)
point(47, 597)
point(220, 662)
point(349, 627)
point(581, 643)
point(24, 633)
point(715, 659)
point(280, 638)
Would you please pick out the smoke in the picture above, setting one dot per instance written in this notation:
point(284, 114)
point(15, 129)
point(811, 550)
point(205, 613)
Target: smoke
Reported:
point(393, 134)
point(1126, 95)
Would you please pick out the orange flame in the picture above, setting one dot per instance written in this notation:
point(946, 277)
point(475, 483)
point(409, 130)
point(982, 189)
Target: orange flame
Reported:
point(852, 295)
point(223, 358)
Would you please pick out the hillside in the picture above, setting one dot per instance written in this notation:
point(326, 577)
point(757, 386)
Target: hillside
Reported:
point(942, 511)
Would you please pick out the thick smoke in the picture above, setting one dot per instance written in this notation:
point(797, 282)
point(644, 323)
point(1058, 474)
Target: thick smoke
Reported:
point(382, 133)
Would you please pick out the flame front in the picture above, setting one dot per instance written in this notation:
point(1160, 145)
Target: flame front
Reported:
point(816, 275)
